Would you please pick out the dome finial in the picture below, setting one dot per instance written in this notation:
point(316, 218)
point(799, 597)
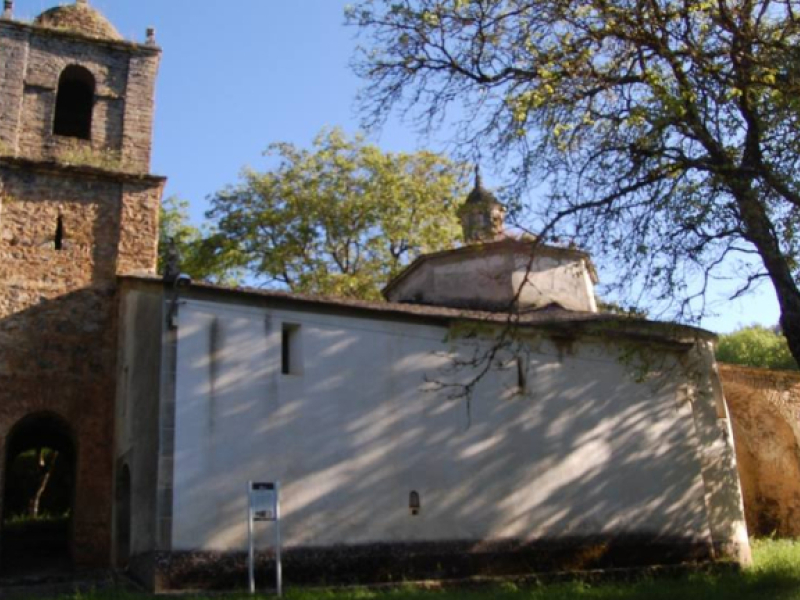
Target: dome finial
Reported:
point(478, 183)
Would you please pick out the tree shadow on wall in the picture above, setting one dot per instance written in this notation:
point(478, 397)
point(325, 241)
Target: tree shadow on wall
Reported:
point(588, 469)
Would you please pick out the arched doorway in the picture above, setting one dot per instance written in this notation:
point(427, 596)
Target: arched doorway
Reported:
point(38, 495)
point(123, 525)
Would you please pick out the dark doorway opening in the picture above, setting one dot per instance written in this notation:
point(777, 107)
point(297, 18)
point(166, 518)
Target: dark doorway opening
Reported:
point(123, 525)
point(74, 103)
point(38, 496)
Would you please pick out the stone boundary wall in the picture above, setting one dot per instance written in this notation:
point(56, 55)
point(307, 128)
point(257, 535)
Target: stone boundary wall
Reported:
point(764, 408)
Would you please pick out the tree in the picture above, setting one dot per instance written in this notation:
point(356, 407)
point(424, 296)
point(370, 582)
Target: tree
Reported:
point(39, 485)
point(202, 255)
point(667, 129)
point(341, 218)
point(47, 468)
point(756, 346)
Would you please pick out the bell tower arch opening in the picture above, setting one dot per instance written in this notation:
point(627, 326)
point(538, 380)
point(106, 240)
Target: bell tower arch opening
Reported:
point(38, 494)
point(74, 103)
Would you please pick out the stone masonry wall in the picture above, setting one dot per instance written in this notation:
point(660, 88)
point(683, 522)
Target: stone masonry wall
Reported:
point(123, 111)
point(58, 306)
point(765, 414)
point(139, 110)
point(14, 52)
point(58, 310)
point(138, 238)
point(47, 58)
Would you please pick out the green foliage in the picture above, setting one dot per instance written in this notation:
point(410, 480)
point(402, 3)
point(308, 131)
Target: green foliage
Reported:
point(23, 520)
point(756, 346)
point(201, 256)
point(340, 219)
point(614, 308)
point(667, 130)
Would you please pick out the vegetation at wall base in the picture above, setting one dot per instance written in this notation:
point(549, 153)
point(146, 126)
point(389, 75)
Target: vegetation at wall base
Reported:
point(775, 574)
point(756, 346)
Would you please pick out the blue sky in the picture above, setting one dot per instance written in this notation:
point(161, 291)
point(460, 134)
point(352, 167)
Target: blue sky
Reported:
point(238, 75)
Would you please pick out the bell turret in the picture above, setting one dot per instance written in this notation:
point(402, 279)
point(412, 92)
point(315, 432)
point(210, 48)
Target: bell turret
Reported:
point(482, 215)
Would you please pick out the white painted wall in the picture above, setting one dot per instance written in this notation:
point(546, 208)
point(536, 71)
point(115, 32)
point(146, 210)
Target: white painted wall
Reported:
point(494, 277)
point(564, 281)
point(586, 450)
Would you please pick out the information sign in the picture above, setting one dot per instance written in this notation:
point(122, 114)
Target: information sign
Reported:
point(264, 501)
point(263, 504)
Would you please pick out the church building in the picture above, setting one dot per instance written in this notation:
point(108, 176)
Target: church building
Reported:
point(486, 419)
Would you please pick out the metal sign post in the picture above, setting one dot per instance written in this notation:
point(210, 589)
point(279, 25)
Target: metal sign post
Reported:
point(263, 504)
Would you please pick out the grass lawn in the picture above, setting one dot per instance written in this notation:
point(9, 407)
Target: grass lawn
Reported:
point(775, 575)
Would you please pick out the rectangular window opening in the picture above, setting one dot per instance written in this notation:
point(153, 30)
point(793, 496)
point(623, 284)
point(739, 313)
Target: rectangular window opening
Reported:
point(291, 351)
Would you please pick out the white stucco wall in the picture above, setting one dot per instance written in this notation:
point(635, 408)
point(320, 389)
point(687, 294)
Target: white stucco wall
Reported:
point(554, 280)
point(585, 450)
point(480, 280)
point(493, 279)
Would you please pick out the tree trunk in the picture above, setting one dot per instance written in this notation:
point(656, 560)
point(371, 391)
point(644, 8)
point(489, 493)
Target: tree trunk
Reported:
point(759, 232)
point(37, 498)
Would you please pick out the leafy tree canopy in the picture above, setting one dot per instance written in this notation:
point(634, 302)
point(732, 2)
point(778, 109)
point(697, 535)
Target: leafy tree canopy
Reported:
point(339, 219)
point(667, 129)
point(756, 346)
point(201, 254)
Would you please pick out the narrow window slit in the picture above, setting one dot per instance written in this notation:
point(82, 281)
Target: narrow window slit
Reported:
point(286, 363)
point(522, 375)
point(59, 239)
point(291, 350)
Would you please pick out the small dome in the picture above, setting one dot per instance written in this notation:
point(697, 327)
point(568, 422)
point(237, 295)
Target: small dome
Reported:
point(79, 18)
point(480, 195)
point(482, 215)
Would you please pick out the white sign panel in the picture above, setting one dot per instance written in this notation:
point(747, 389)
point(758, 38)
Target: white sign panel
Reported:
point(264, 501)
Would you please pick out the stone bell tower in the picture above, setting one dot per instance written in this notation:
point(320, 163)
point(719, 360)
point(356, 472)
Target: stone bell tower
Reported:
point(77, 207)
